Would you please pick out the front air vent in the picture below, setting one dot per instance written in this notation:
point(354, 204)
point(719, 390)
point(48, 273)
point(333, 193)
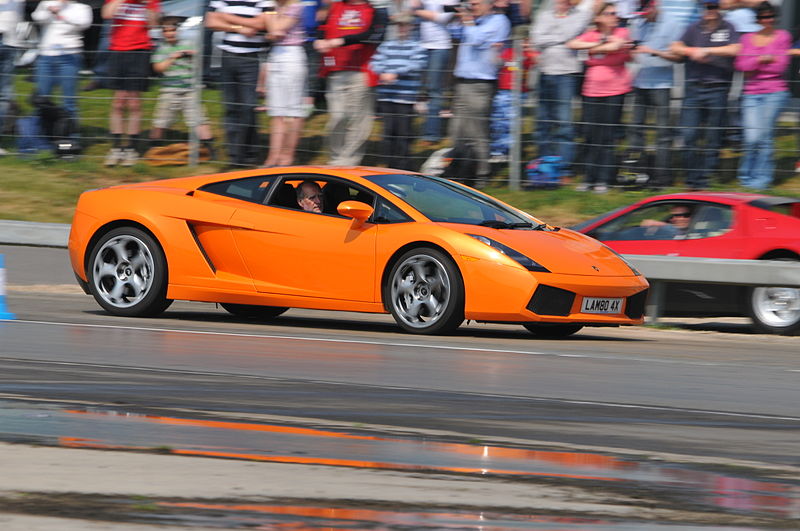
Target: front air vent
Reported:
point(548, 300)
point(634, 307)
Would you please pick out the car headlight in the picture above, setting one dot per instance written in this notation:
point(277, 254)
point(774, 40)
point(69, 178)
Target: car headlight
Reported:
point(524, 261)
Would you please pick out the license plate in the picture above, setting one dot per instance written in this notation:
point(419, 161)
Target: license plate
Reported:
point(596, 305)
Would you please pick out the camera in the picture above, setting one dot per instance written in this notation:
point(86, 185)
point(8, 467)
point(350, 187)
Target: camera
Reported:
point(453, 8)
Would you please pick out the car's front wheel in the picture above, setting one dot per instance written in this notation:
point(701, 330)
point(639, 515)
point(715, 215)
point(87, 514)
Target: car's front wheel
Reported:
point(775, 310)
point(127, 273)
point(552, 330)
point(252, 311)
point(425, 292)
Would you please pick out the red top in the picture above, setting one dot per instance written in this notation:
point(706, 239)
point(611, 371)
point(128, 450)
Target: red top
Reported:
point(505, 80)
point(129, 26)
point(349, 19)
point(606, 74)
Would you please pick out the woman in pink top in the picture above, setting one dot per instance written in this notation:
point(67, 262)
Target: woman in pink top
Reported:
point(605, 84)
point(763, 59)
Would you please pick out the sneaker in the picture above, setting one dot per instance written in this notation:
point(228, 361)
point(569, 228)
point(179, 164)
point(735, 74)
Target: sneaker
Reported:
point(582, 187)
point(130, 157)
point(498, 159)
point(3, 152)
point(600, 189)
point(114, 157)
point(797, 166)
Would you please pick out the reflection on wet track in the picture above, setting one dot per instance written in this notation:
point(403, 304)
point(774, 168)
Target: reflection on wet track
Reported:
point(96, 428)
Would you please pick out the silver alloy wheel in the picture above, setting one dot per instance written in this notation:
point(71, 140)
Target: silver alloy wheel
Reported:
point(420, 291)
point(123, 271)
point(777, 307)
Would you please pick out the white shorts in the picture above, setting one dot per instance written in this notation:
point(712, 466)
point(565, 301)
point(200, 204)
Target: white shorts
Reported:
point(286, 81)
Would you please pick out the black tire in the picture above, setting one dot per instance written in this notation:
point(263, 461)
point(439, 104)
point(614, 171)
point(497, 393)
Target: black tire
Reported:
point(764, 307)
point(127, 273)
point(424, 292)
point(552, 330)
point(252, 311)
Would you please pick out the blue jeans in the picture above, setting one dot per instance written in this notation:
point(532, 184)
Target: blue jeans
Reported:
point(704, 106)
point(8, 55)
point(59, 70)
point(555, 133)
point(435, 77)
point(759, 114)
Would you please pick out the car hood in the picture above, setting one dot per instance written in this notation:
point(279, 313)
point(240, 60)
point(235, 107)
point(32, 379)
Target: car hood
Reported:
point(560, 251)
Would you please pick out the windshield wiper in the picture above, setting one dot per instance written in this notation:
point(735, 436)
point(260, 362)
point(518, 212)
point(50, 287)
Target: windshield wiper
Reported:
point(495, 224)
point(546, 227)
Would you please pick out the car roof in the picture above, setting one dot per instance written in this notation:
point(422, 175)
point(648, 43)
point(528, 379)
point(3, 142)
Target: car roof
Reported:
point(192, 183)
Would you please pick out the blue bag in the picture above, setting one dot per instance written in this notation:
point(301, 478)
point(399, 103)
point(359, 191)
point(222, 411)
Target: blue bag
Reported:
point(30, 137)
point(544, 172)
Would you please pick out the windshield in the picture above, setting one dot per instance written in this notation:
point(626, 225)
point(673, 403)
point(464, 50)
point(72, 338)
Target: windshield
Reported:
point(449, 202)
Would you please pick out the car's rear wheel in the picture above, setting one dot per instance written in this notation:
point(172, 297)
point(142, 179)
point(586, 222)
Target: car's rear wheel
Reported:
point(252, 311)
point(127, 273)
point(425, 292)
point(552, 330)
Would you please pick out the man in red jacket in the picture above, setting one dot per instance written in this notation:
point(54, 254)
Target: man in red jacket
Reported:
point(348, 38)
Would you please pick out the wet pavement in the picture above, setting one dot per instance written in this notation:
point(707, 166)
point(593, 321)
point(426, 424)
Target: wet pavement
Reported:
point(733, 492)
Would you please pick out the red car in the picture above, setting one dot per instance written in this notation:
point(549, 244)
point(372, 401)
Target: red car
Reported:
point(713, 225)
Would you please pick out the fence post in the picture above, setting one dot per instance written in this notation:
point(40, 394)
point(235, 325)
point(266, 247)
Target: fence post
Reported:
point(517, 75)
point(197, 92)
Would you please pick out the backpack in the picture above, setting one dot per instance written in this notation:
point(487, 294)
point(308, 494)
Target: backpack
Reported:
point(544, 172)
point(58, 126)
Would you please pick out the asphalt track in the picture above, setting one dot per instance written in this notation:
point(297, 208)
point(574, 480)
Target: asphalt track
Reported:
point(697, 393)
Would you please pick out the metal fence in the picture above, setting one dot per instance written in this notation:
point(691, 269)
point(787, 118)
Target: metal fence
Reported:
point(507, 169)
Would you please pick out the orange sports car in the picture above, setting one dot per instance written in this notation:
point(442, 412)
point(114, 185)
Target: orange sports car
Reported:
point(429, 251)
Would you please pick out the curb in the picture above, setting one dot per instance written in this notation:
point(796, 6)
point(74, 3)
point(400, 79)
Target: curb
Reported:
point(34, 234)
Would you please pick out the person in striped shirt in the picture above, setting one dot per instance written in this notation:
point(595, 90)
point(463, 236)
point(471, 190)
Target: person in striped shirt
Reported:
point(399, 64)
point(243, 22)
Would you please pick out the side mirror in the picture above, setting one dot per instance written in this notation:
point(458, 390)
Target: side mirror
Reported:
point(357, 210)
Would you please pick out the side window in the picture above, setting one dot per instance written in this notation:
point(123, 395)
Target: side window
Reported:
point(253, 189)
point(327, 193)
point(709, 221)
point(646, 223)
point(385, 212)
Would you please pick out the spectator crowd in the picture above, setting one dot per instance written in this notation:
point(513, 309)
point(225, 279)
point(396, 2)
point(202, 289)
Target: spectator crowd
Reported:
point(664, 85)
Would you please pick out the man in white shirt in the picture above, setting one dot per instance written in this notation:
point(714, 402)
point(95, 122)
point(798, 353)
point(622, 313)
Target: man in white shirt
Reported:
point(62, 24)
point(10, 15)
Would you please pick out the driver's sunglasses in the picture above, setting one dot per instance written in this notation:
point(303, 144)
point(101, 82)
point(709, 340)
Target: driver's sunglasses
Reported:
point(680, 215)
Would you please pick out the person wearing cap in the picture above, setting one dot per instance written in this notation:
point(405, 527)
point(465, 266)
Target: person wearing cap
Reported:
point(708, 46)
point(399, 64)
point(764, 59)
point(654, 31)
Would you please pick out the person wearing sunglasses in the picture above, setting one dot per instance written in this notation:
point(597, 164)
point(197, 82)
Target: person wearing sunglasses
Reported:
point(676, 224)
point(708, 47)
point(764, 59)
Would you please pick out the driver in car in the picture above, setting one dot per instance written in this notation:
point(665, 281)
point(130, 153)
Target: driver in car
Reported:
point(678, 220)
point(309, 197)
